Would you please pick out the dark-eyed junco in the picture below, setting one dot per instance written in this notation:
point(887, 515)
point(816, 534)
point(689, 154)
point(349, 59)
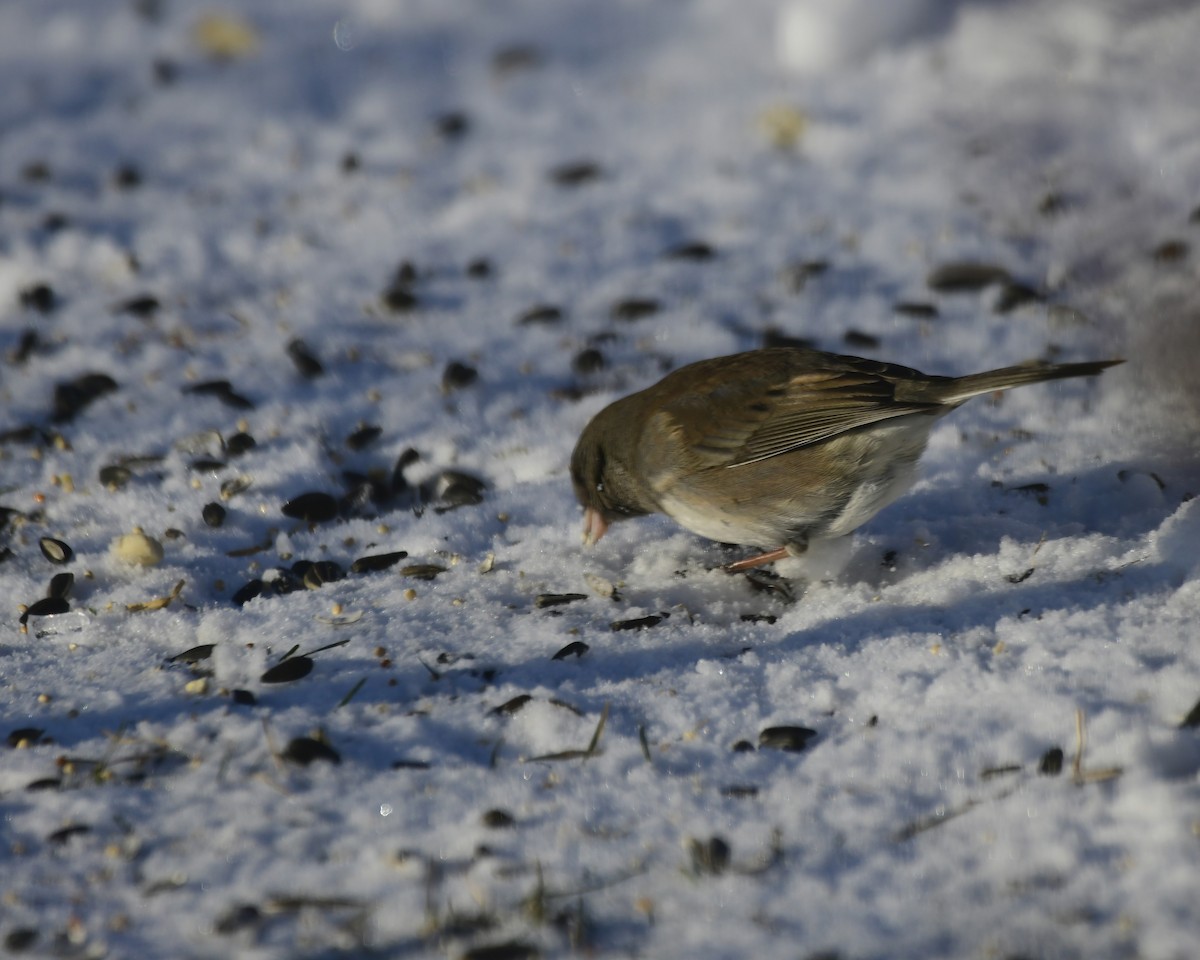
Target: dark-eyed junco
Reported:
point(773, 448)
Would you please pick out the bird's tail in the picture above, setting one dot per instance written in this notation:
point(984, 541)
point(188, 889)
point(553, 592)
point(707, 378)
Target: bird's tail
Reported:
point(955, 390)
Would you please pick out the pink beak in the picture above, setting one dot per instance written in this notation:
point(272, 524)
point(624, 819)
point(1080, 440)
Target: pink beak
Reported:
point(594, 526)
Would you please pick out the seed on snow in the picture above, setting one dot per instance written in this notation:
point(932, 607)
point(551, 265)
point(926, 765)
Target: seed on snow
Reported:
point(137, 548)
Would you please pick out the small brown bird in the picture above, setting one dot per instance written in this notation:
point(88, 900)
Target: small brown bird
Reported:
point(773, 448)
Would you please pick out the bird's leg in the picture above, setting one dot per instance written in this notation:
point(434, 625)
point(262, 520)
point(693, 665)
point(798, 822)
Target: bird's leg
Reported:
point(758, 560)
point(795, 548)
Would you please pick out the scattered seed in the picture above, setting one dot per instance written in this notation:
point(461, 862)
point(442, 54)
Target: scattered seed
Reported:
point(543, 600)
point(61, 836)
point(127, 177)
point(451, 489)
point(1051, 763)
point(965, 277)
point(363, 437)
point(422, 571)
point(452, 124)
point(638, 623)
point(634, 308)
point(304, 359)
point(24, 737)
point(321, 573)
point(576, 648)
point(457, 375)
point(223, 391)
point(45, 783)
point(498, 819)
point(479, 269)
point(795, 276)
point(20, 939)
point(743, 746)
point(313, 507)
point(40, 297)
point(242, 916)
point(601, 586)
point(739, 791)
point(231, 488)
point(990, 773)
point(197, 686)
point(589, 360)
point(137, 548)
point(61, 585)
point(248, 592)
point(576, 174)
point(206, 465)
point(692, 250)
point(304, 750)
point(1171, 251)
point(194, 654)
point(785, 738)
point(757, 618)
point(239, 443)
point(918, 309)
point(777, 338)
point(291, 669)
point(114, 476)
point(25, 347)
point(46, 607)
point(1013, 295)
point(56, 551)
point(72, 397)
point(543, 314)
point(377, 562)
point(1020, 577)
point(213, 514)
point(144, 305)
point(860, 341)
point(509, 707)
point(709, 856)
point(243, 698)
point(518, 57)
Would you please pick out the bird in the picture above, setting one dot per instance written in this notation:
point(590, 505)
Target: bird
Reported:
point(774, 448)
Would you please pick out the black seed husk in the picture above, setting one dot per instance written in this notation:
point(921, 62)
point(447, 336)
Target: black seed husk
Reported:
point(509, 950)
point(576, 174)
point(40, 297)
point(25, 735)
point(61, 585)
point(378, 561)
point(1051, 763)
point(114, 476)
point(509, 707)
point(638, 623)
point(72, 397)
point(965, 277)
point(363, 437)
point(304, 359)
point(243, 698)
point(223, 391)
point(248, 592)
point(458, 375)
point(144, 305)
point(634, 308)
point(788, 738)
point(314, 507)
point(692, 250)
point(213, 514)
point(1193, 717)
point(321, 573)
point(543, 600)
point(588, 360)
point(498, 819)
point(576, 648)
point(56, 551)
point(46, 607)
point(291, 669)
point(304, 750)
point(859, 340)
point(422, 571)
point(540, 315)
point(239, 443)
point(919, 310)
point(194, 654)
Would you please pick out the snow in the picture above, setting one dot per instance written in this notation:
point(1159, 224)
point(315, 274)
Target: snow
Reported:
point(282, 160)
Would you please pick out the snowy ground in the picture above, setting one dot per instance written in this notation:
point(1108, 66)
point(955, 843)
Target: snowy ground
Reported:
point(998, 669)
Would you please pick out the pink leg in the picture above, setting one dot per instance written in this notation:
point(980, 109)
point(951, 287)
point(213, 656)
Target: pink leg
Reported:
point(757, 561)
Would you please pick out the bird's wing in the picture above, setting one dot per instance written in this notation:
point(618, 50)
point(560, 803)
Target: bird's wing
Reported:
point(747, 420)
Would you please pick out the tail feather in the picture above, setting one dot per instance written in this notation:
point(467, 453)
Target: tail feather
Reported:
point(955, 390)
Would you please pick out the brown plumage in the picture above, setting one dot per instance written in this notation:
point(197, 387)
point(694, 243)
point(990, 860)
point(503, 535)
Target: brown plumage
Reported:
point(773, 448)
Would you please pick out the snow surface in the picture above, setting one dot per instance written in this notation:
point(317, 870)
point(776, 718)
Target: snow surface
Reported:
point(262, 170)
